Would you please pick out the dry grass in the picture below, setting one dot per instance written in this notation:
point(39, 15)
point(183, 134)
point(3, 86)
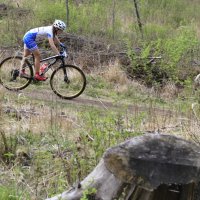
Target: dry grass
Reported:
point(169, 91)
point(42, 120)
point(114, 74)
point(56, 126)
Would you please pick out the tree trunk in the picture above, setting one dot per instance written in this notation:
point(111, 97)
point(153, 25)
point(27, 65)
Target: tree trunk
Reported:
point(67, 12)
point(106, 184)
point(148, 167)
point(113, 19)
point(138, 17)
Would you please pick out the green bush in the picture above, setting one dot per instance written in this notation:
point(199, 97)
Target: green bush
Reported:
point(11, 193)
point(171, 49)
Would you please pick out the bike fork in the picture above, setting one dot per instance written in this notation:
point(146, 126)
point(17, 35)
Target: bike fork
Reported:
point(66, 79)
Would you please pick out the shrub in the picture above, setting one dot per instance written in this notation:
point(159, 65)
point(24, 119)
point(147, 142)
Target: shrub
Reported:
point(172, 51)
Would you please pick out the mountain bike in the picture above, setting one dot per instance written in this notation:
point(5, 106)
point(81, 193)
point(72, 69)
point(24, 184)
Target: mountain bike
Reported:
point(66, 81)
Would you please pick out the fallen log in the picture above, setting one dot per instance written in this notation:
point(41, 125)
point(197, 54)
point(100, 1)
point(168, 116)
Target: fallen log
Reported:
point(147, 167)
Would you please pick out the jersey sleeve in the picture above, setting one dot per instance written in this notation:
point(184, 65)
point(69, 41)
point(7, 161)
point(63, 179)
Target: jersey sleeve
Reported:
point(49, 35)
point(50, 32)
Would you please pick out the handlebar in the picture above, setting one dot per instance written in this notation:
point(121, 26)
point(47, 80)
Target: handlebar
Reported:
point(64, 51)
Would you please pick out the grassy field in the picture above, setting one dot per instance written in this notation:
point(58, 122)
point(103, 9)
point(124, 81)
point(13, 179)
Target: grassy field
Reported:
point(47, 145)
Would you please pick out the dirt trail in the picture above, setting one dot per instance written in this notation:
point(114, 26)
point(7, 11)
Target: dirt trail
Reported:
point(48, 95)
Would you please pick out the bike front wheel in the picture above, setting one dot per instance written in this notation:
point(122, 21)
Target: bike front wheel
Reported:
point(10, 76)
point(68, 81)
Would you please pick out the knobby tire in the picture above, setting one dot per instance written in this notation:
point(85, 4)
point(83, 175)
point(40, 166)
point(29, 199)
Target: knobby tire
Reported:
point(72, 86)
point(10, 73)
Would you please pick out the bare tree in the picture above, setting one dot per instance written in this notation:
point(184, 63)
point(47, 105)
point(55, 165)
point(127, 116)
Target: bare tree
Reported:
point(138, 17)
point(113, 19)
point(67, 12)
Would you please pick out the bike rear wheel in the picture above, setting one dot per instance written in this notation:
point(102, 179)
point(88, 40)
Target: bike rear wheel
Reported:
point(10, 76)
point(68, 81)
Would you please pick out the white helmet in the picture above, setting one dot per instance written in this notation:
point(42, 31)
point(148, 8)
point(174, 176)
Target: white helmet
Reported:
point(59, 24)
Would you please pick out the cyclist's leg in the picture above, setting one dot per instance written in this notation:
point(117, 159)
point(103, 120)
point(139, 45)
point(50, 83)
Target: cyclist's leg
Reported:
point(36, 54)
point(37, 76)
point(33, 48)
point(29, 46)
point(26, 53)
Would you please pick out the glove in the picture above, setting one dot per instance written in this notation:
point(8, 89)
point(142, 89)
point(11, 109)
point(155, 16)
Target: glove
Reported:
point(62, 53)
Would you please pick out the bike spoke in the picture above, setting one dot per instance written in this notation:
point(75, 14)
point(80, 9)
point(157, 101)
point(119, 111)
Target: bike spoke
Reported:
point(70, 84)
point(10, 76)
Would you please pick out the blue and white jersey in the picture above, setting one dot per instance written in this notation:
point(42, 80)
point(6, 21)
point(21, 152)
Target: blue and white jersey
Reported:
point(31, 36)
point(46, 31)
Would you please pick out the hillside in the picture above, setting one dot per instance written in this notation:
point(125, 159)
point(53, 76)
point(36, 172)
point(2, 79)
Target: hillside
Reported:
point(170, 30)
point(48, 144)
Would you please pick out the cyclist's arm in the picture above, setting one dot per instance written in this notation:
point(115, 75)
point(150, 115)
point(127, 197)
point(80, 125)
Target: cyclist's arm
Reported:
point(53, 46)
point(56, 40)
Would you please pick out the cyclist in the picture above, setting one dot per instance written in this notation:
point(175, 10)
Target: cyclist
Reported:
point(30, 45)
